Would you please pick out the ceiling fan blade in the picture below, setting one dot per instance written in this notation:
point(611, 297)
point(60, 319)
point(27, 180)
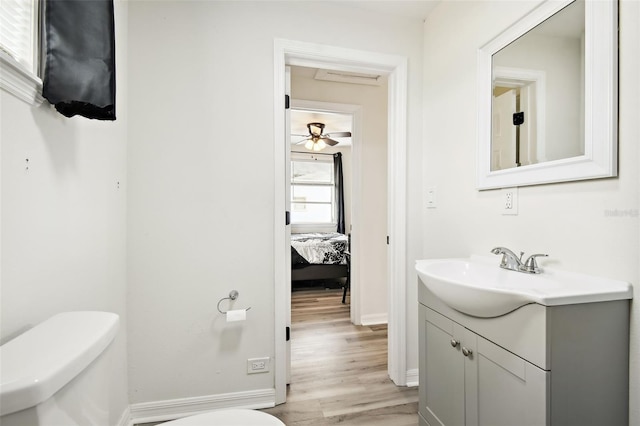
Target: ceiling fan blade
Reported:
point(339, 134)
point(301, 142)
point(301, 136)
point(329, 141)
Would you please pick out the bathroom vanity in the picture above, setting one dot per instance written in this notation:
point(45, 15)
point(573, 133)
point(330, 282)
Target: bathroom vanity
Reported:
point(557, 355)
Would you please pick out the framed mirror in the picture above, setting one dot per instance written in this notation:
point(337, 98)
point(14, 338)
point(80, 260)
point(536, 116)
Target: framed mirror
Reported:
point(547, 97)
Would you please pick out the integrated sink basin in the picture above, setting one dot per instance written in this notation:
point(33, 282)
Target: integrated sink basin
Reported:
point(477, 286)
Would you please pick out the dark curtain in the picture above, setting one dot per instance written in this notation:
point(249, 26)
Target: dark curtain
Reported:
point(339, 192)
point(80, 69)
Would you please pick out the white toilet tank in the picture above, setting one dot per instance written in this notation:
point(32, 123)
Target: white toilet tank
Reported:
point(57, 373)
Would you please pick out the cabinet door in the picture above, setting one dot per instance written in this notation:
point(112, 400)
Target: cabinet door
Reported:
point(502, 388)
point(441, 370)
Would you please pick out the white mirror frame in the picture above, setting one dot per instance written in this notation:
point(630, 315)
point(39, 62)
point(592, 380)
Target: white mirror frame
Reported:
point(600, 157)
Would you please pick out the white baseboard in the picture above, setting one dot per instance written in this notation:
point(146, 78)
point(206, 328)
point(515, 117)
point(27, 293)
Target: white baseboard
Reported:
point(374, 319)
point(413, 378)
point(176, 408)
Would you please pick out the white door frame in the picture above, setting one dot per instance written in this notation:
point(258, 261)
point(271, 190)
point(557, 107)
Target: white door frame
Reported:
point(287, 52)
point(522, 78)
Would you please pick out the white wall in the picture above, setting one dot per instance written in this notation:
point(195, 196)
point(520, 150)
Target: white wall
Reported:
point(201, 179)
point(567, 220)
point(63, 220)
point(373, 228)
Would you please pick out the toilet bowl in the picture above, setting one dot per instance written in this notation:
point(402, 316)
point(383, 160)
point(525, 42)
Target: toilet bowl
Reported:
point(230, 417)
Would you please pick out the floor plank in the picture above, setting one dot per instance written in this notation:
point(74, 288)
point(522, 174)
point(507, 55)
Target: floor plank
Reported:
point(339, 370)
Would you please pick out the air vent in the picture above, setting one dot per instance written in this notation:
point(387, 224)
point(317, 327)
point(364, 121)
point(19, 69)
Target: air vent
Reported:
point(350, 77)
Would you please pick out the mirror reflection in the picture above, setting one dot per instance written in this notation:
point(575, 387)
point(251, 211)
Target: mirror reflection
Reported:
point(538, 104)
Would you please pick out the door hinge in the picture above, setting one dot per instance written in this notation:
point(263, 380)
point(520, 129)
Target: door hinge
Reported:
point(287, 218)
point(387, 240)
point(518, 118)
point(287, 102)
point(288, 333)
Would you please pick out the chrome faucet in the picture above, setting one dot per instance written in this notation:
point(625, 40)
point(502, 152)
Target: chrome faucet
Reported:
point(513, 262)
point(509, 259)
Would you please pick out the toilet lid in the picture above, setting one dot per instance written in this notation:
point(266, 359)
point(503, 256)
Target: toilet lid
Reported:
point(232, 417)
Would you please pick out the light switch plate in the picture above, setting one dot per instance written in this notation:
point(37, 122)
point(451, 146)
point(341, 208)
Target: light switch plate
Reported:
point(431, 198)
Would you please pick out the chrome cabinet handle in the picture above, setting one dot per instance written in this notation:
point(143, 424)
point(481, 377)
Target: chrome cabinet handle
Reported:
point(466, 352)
point(454, 343)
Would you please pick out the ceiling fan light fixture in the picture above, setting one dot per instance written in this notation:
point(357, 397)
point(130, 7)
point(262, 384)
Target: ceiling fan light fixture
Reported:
point(315, 129)
point(317, 140)
point(309, 144)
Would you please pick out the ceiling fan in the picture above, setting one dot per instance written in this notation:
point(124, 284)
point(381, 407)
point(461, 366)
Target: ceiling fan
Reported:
point(317, 140)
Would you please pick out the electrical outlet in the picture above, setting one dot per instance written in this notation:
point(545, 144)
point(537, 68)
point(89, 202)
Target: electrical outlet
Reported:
point(257, 365)
point(509, 197)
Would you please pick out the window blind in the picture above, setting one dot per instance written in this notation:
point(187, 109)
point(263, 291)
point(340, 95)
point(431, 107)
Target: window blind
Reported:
point(17, 31)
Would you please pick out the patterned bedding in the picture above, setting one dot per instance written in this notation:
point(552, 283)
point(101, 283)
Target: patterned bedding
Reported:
point(318, 248)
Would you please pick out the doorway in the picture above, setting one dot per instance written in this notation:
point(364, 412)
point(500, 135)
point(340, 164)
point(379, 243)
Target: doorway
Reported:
point(347, 117)
point(288, 52)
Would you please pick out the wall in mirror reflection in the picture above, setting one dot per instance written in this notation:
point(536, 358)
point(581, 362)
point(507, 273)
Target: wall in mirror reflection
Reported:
point(538, 93)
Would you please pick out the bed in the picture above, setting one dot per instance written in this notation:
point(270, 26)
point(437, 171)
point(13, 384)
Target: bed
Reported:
point(319, 256)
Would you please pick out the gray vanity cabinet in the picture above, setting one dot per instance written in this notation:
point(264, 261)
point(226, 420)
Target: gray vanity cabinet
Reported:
point(467, 380)
point(538, 365)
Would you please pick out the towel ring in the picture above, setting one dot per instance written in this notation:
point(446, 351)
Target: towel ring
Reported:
point(233, 295)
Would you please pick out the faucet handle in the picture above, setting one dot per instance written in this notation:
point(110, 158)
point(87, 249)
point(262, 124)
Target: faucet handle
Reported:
point(530, 265)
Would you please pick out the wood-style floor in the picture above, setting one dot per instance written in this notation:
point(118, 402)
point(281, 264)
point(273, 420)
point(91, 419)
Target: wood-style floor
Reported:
point(339, 370)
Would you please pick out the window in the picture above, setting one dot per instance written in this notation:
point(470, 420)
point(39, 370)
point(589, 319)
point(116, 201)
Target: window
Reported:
point(312, 190)
point(19, 51)
point(17, 19)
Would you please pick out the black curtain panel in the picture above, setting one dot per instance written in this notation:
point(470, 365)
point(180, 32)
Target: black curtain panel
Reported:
point(339, 192)
point(80, 67)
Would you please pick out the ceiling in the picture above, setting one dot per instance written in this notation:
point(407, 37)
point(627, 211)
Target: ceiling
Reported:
point(333, 123)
